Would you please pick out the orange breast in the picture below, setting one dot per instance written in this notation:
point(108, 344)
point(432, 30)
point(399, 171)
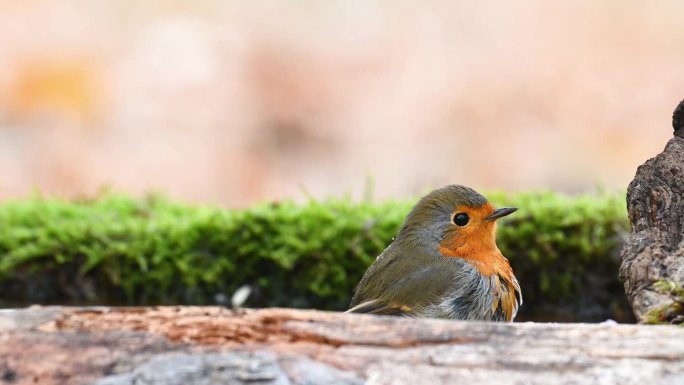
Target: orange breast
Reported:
point(476, 245)
point(492, 263)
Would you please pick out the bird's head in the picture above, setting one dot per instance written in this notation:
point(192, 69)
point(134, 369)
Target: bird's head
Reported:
point(454, 220)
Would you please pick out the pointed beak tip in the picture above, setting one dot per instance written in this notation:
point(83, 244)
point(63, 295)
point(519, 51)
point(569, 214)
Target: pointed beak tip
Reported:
point(511, 210)
point(502, 212)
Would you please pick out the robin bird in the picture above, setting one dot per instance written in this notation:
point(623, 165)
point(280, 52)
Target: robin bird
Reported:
point(444, 263)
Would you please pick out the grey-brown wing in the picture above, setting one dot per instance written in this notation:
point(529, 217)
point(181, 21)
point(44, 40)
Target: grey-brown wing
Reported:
point(379, 307)
point(399, 284)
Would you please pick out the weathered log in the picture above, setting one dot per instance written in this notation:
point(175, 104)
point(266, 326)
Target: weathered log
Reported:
point(210, 345)
point(655, 249)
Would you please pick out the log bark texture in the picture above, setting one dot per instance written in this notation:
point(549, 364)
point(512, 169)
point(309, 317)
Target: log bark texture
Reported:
point(655, 202)
point(209, 345)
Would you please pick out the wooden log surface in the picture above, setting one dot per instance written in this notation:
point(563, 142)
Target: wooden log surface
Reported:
point(212, 345)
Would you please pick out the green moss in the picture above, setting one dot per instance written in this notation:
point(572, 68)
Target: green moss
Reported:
point(672, 312)
point(115, 249)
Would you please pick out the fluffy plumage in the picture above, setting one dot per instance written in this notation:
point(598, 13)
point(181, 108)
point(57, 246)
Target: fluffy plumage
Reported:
point(435, 268)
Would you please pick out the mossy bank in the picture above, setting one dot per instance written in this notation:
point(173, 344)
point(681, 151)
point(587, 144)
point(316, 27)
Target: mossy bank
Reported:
point(115, 249)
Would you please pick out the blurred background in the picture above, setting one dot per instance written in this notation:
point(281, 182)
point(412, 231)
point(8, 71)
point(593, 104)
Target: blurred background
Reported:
point(233, 102)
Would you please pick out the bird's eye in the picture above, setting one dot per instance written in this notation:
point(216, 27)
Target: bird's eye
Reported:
point(461, 219)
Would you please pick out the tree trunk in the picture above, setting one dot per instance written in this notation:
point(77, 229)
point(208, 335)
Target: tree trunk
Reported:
point(655, 201)
point(211, 345)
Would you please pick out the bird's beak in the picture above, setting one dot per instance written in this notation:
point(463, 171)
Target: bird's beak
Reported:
point(501, 212)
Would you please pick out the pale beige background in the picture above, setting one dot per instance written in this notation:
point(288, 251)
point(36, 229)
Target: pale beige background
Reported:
point(232, 102)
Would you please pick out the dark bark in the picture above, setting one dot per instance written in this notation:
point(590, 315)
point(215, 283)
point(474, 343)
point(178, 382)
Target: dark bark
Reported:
point(655, 201)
